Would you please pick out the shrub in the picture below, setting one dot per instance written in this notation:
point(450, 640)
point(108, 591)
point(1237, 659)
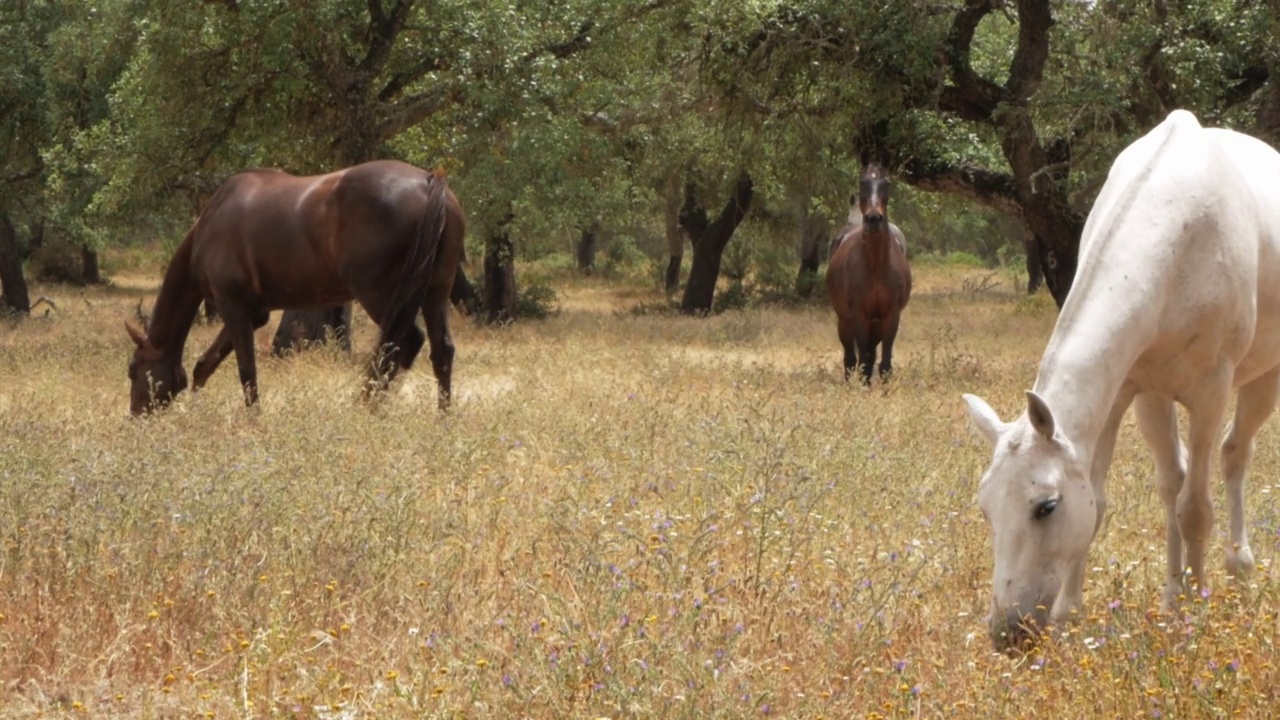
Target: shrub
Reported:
point(775, 271)
point(536, 300)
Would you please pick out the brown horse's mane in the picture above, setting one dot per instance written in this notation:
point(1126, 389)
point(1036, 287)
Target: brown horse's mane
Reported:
point(174, 311)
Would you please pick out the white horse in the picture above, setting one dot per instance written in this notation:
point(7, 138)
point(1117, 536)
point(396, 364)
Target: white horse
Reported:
point(1177, 298)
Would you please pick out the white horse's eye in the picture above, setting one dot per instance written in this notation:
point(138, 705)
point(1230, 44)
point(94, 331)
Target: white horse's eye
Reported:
point(1046, 508)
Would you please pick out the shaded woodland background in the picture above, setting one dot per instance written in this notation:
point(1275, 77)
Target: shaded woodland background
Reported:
point(613, 133)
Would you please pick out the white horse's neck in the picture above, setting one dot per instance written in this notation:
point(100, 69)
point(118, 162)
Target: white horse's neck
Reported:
point(1106, 324)
point(1114, 312)
point(1085, 366)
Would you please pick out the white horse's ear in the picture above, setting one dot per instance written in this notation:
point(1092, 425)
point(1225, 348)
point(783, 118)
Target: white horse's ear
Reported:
point(1040, 416)
point(984, 418)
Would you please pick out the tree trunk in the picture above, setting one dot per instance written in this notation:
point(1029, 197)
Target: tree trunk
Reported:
point(675, 236)
point(1057, 230)
point(300, 329)
point(586, 249)
point(1269, 113)
point(36, 241)
point(13, 284)
point(812, 233)
point(709, 241)
point(91, 271)
point(499, 277)
point(1032, 245)
point(671, 278)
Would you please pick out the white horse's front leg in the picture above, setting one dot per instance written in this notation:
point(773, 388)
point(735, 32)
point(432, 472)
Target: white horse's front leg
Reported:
point(1071, 597)
point(1254, 405)
point(1068, 605)
point(1104, 451)
point(1158, 422)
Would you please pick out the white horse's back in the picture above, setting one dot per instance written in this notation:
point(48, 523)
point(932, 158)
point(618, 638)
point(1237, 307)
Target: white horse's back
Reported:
point(1182, 251)
point(1259, 166)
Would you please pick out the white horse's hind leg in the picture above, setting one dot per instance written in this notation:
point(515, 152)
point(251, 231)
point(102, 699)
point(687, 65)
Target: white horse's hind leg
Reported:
point(1195, 503)
point(1158, 422)
point(1254, 405)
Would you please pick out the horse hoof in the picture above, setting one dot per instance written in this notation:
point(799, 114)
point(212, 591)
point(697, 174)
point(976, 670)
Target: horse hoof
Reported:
point(1240, 562)
point(1172, 597)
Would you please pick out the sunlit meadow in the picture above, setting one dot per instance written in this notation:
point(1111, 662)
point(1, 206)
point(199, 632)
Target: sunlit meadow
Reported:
point(624, 515)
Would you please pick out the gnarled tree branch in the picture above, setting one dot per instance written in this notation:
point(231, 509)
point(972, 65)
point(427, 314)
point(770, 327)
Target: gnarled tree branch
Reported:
point(992, 189)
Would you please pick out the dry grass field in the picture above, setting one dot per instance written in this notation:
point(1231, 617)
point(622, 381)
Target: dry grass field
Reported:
point(624, 515)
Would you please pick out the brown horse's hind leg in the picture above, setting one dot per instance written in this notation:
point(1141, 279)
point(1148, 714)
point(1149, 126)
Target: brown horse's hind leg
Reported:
point(436, 314)
point(397, 350)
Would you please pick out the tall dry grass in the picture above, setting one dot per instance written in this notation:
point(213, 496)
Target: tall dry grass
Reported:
point(623, 516)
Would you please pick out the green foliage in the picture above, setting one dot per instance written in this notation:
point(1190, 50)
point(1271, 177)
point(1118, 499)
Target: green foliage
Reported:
point(119, 117)
point(552, 265)
point(24, 130)
point(734, 297)
point(623, 258)
point(775, 269)
point(943, 224)
point(958, 258)
point(536, 300)
point(964, 259)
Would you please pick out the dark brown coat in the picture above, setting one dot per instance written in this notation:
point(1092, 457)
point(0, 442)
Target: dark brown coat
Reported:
point(385, 234)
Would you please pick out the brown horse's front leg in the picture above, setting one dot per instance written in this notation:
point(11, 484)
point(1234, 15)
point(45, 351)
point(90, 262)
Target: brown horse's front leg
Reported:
point(866, 358)
point(848, 340)
point(241, 334)
point(886, 347)
point(212, 358)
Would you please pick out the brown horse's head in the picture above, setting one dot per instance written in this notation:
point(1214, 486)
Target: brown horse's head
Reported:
point(873, 195)
point(154, 378)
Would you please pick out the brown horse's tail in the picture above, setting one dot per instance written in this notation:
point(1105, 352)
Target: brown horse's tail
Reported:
point(419, 265)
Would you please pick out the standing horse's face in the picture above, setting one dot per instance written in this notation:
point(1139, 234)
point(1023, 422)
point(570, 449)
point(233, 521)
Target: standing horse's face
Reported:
point(1037, 499)
point(873, 195)
point(153, 379)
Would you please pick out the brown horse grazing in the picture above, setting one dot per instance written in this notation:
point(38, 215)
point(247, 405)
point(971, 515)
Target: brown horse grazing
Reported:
point(384, 233)
point(868, 279)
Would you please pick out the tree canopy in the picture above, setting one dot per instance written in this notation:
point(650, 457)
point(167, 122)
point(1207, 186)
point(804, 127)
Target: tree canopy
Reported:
point(119, 117)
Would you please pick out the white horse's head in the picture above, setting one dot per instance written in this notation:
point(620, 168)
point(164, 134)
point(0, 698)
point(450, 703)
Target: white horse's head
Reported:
point(1038, 501)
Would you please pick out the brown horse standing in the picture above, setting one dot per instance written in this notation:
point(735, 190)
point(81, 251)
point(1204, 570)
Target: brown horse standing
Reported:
point(385, 234)
point(868, 279)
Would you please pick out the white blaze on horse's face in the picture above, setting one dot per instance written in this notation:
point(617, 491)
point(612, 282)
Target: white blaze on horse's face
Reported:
point(1037, 499)
point(873, 194)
